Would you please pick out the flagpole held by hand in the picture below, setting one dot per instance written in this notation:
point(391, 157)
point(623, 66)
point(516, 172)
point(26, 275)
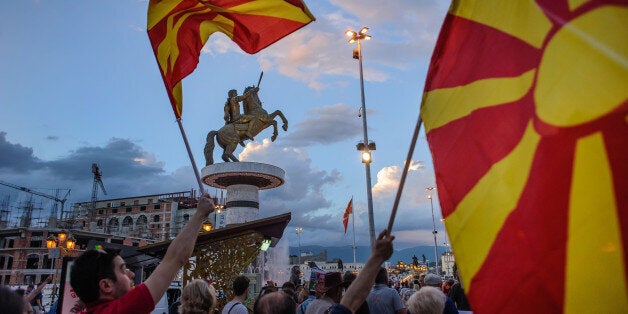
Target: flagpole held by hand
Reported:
point(404, 174)
point(187, 146)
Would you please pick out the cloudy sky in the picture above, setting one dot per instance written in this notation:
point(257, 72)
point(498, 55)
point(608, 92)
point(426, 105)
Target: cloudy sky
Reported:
point(80, 85)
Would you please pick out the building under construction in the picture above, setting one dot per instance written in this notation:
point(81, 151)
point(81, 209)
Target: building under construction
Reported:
point(26, 257)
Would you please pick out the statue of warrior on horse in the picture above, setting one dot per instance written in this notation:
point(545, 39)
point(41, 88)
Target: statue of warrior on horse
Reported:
point(240, 127)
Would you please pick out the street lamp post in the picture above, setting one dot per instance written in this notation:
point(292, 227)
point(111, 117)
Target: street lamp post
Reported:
point(299, 229)
point(431, 188)
point(56, 246)
point(365, 146)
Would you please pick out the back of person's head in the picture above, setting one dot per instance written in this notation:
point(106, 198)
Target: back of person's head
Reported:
point(348, 277)
point(433, 280)
point(240, 284)
point(428, 300)
point(382, 276)
point(276, 302)
point(11, 302)
point(289, 285)
point(290, 289)
point(197, 297)
point(87, 271)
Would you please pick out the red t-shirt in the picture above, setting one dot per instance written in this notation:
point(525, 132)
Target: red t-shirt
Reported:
point(137, 301)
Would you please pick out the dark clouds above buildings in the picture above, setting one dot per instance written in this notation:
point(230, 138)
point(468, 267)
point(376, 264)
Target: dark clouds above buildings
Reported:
point(15, 157)
point(128, 170)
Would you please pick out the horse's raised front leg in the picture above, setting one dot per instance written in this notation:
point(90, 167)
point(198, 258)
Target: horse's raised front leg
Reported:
point(275, 132)
point(284, 126)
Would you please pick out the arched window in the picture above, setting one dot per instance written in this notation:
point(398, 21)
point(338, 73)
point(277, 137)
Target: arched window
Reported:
point(47, 264)
point(32, 261)
point(113, 225)
point(127, 224)
point(141, 224)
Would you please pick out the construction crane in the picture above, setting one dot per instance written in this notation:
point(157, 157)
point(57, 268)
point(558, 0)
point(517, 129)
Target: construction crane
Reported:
point(54, 198)
point(97, 182)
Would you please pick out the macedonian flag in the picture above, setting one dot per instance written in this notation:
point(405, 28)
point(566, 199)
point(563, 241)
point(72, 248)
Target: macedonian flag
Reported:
point(178, 30)
point(526, 113)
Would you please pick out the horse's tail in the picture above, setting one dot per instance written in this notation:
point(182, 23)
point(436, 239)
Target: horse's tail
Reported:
point(209, 148)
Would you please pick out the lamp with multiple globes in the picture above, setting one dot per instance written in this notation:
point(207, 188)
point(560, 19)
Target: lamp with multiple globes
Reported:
point(60, 246)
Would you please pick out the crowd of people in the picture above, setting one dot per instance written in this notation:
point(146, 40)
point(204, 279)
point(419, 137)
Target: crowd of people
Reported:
point(104, 284)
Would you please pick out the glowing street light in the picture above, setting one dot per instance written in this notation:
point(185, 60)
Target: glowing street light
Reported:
point(364, 146)
point(431, 188)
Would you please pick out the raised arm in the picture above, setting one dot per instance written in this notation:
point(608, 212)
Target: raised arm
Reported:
point(361, 286)
point(179, 251)
point(37, 290)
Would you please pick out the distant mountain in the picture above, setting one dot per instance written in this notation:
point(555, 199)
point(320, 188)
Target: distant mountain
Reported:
point(363, 252)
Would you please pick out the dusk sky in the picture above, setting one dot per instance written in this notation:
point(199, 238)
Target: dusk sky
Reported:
point(80, 85)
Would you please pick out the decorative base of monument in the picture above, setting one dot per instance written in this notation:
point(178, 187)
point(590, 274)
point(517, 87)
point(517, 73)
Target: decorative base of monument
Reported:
point(220, 255)
point(242, 180)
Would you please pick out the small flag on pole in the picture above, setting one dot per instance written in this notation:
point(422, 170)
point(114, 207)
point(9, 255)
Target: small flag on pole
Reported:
point(348, 211)
point(178, 30)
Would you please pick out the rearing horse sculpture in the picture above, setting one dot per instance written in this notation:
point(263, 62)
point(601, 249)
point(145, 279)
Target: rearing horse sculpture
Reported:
point(230, 135)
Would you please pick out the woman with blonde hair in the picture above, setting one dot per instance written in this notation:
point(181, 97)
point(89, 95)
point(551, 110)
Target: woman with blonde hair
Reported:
point(198, 297)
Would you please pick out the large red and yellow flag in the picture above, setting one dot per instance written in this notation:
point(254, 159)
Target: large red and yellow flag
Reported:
point(178, 30)
point(526, 113)
point(348, 211)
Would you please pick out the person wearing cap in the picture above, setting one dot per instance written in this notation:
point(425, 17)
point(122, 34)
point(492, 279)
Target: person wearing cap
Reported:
point(330, 287)
point(383, 299)
point(433, 280)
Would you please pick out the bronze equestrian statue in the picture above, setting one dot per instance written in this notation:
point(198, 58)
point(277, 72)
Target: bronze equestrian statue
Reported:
point(239, 128)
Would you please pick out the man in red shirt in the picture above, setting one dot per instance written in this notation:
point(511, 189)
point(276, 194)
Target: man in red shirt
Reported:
point(102, 281)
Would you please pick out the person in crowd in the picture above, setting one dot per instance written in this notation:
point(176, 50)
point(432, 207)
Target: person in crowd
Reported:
point(10, 301)
point(289, 288)
point(102, 281)
point(299, 294)
point(456, 293)
point(421, 282)
point(241, 292)
point(198, 297)
point(307, 297)
point(383, 299)
point(276, 302)
point(433, 280)
point(447, 286)
point(36, 302)
point(428, 300)
point(359, 289)
point(330, 287)
point(405, 294)
point(29, 295)
point(349, 277)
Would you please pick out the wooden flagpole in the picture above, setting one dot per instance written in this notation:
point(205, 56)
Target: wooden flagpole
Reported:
point(187, 146)
point(404, 174)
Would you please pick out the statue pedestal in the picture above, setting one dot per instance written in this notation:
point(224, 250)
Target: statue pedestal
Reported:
point(242, 180)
